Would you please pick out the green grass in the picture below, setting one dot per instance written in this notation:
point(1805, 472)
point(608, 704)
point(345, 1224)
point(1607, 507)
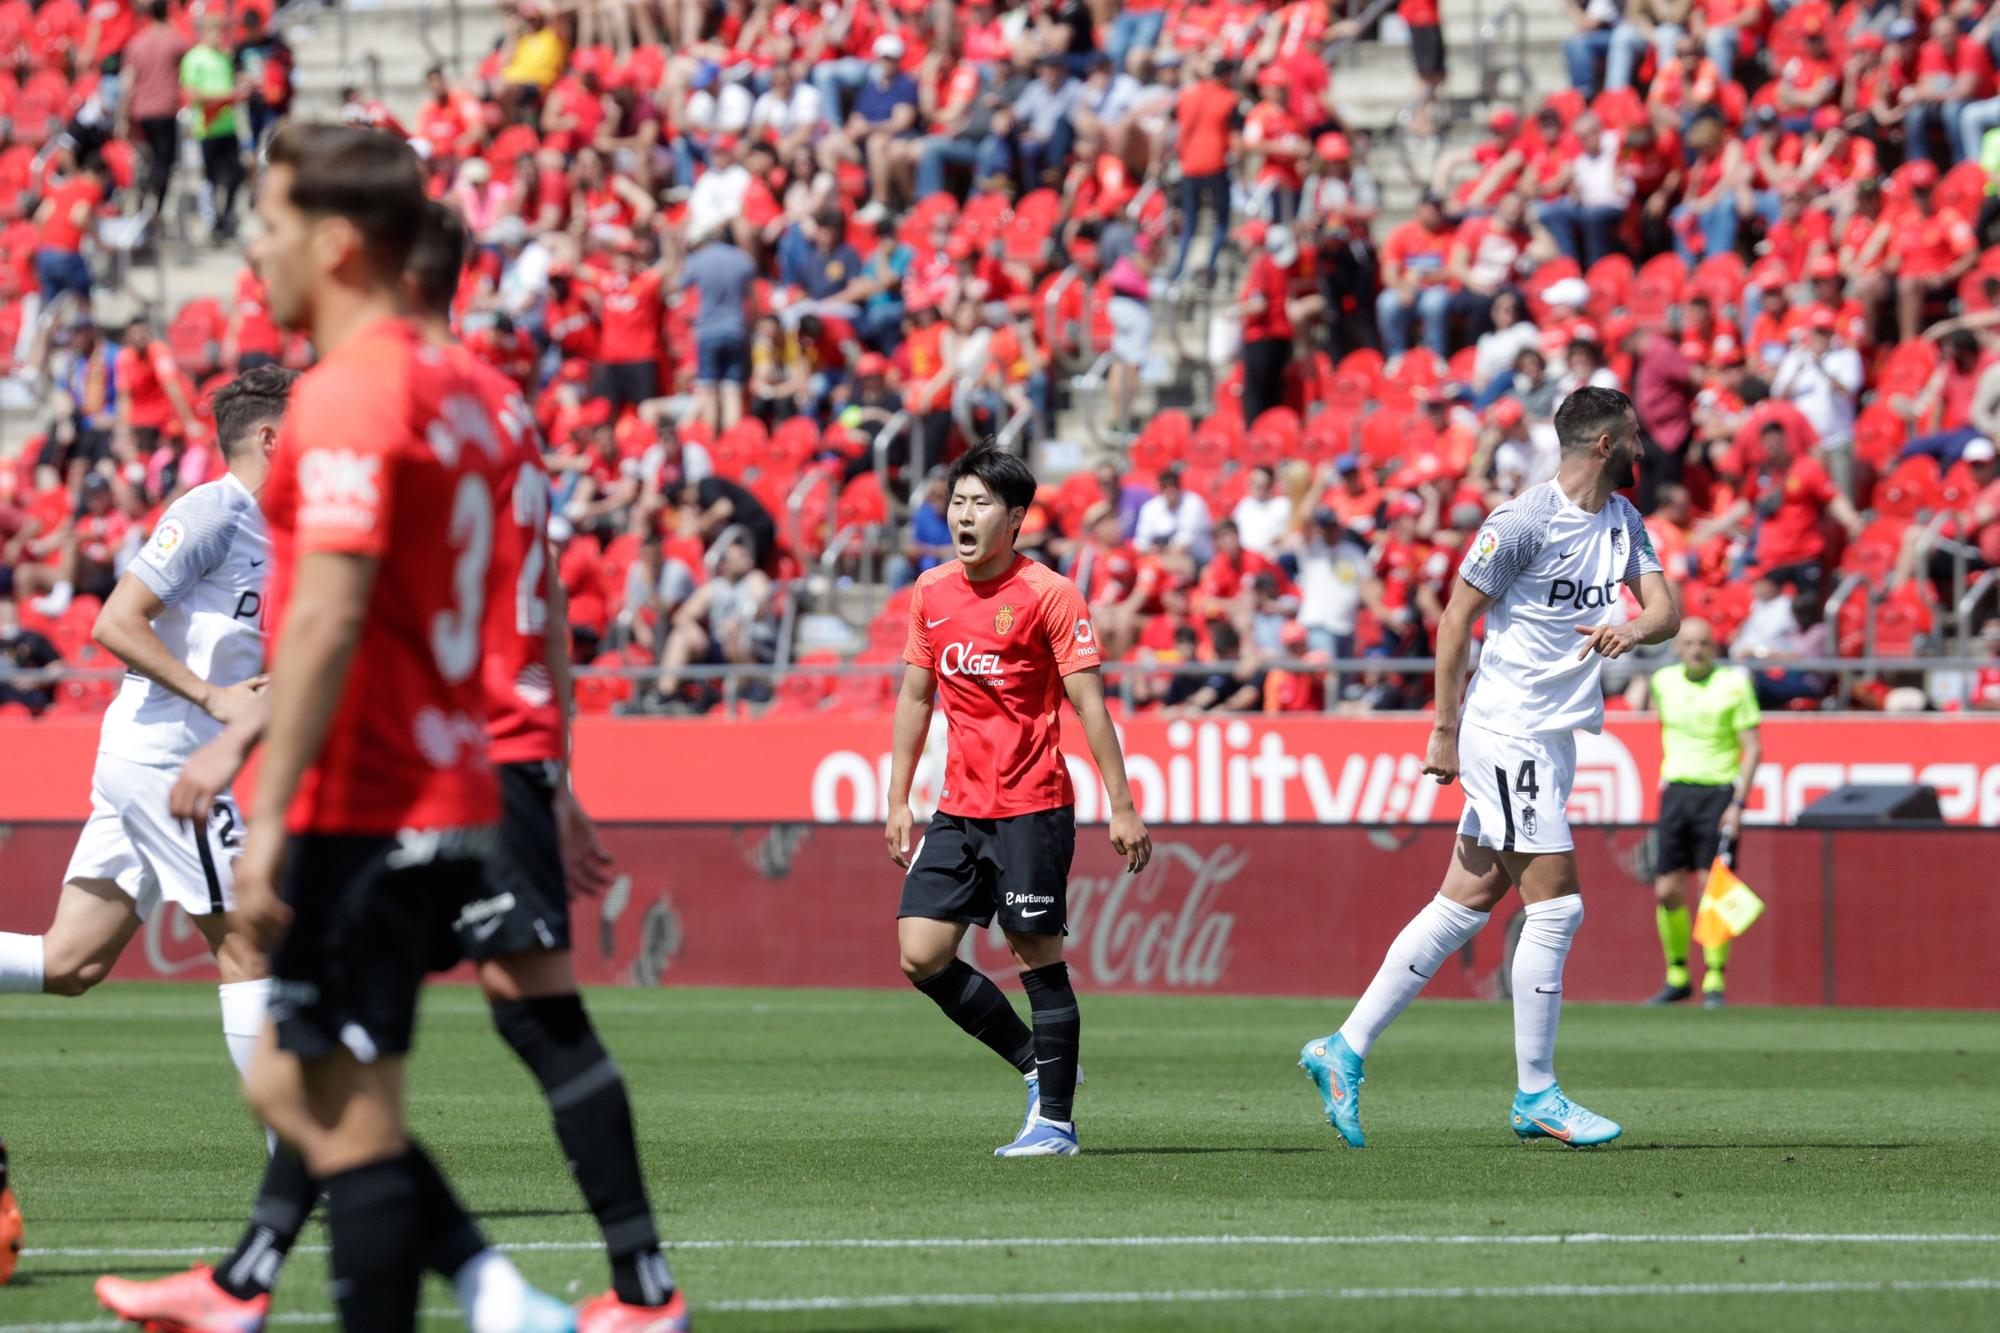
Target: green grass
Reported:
point(819, 1115)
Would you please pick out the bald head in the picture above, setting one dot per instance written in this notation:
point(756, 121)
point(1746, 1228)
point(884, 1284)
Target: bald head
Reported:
point(1696, 646)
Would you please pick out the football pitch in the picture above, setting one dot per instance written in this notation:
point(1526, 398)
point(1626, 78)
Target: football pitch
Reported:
point(822, 1160)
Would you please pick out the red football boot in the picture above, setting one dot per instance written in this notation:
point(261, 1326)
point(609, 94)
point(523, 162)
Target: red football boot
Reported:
point(187, 1302)
point(608, 1314)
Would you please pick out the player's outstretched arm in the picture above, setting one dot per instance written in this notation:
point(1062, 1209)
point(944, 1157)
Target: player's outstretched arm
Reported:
point(124, 629)
point(1128, 833)
point(913, 723)
point(329, 603)
point(1454, 650)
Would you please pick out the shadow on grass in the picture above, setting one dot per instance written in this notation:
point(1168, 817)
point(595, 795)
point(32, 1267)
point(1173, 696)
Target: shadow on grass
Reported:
point(1194, 1150)
point(1753, 1147)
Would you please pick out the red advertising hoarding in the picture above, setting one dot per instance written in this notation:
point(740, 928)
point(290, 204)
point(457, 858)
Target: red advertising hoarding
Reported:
point(1251, 769)
point(1891, 917)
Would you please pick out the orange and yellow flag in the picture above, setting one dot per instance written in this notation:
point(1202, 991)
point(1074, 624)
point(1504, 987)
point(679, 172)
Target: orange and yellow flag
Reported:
point(1728, 907)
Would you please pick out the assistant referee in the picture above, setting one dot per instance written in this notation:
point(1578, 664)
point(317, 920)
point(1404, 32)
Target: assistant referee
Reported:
point(1710, 748)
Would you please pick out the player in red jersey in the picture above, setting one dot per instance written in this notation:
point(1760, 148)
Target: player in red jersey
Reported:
point(518, 934)
point(1002, 640)
point(376, 799)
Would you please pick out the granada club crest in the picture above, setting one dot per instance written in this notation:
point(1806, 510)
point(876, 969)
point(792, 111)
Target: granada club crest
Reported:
point(1003, 619)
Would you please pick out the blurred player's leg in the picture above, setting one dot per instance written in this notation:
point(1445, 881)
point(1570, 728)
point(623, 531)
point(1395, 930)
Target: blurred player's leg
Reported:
point(94, 921)
point(519, 935)
point(1714, 981)
point(1670, 914)
point(10, 1221)
point(1444, 926)
point(1058, 1034)
point(537, 1010)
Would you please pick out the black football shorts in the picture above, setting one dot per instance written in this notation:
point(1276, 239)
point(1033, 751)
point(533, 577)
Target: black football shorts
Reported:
point(974, 869)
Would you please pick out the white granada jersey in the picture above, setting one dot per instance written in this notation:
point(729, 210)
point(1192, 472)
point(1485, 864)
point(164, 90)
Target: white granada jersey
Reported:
point(1550, 568)
point(207, 563)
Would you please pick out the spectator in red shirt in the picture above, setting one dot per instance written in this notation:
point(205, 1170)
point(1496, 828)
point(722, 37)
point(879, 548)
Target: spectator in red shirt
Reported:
point(631, 308)
point(1952, 73)
point(63, 220)
point(1934, 249)
point(1267, 310)
point(152, 395)
point(152, 73)
point(1488, 255)
point(1413, 279)
point(1207, 115)
point(1782, 501)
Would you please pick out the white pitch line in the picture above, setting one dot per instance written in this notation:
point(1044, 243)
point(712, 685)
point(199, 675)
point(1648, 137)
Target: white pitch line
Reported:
point(1144, 1242)
point(990, 1300)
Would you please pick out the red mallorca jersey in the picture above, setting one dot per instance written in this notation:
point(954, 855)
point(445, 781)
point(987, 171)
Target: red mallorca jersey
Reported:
point(1000, 649)
point(387, 453)
point(524, 721)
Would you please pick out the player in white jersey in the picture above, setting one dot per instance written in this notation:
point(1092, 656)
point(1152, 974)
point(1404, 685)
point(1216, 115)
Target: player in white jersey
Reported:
point(1544, 571)
point(187, 620)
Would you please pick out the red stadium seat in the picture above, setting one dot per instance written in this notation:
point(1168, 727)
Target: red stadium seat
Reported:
point(1909, 490)
point(1879, 433)
point(1610, 280)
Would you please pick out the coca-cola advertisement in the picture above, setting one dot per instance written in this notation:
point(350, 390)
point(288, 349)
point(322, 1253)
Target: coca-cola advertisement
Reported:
point(1854, 917)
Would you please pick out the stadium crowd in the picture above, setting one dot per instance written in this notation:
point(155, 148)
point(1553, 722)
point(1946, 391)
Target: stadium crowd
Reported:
point(724, 248)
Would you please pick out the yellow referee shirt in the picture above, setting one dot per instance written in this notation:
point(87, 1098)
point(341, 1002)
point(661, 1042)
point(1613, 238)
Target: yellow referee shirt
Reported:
point(1700, 722)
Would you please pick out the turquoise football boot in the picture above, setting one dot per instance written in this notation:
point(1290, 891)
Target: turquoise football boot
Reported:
point(1550, 1115)
point(1335, 1070)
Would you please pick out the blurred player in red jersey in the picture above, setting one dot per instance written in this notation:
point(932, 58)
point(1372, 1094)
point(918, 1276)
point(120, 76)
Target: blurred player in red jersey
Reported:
point(377, 796)
point(548, 847)
point(1003, 639)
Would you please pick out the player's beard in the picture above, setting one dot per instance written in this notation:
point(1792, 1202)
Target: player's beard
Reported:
point(1624, 473)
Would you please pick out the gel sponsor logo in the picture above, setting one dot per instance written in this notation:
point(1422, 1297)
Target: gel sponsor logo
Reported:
point(1582, 596)
point(961, 659)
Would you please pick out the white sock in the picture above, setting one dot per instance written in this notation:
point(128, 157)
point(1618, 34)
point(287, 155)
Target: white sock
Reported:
point(56, 600)
point(21, 964)
point(490, 1292)
point(243, 1019)
point(1433, 935)
point(1538, 973)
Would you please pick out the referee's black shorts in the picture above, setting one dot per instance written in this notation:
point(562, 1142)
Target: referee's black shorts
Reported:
point(1691, 824)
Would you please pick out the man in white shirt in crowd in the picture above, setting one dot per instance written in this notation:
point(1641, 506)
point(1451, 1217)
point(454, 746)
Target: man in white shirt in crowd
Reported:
point(1262, 516)
point(1822, 378)
point(1584, 215)
point(1176, 522)
point(1336, 579)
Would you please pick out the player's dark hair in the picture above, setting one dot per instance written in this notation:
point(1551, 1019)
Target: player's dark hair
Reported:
point(437, 260)
point(1005, 477)
point(247, 402)
point(1588, 413)
point(370, 178)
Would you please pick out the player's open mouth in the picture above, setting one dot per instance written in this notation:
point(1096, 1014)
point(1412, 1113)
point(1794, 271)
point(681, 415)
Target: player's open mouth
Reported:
point(968, 542)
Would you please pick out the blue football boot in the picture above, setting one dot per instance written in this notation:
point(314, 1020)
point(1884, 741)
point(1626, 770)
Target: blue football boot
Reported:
point(1335, 1070)
point(1550, 1115)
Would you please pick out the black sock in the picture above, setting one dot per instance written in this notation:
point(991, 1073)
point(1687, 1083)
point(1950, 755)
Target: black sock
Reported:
point(378, 1246)
point(970, 999)
point(284, 1201)
point(1058, 1031)
point(593, 1116)
point(450, 1236)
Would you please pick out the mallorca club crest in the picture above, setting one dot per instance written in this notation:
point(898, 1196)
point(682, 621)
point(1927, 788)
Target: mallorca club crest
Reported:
point(1003, 619)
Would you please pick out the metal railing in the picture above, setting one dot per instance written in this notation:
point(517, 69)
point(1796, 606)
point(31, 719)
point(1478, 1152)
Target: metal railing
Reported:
point(455, 61)
point(1122, 677)
point(1492, 71)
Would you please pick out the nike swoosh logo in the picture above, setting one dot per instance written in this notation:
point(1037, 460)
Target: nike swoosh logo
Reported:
point(1040, 1061)
point(1572, 551)
point(1561, 1135)
point(1557, 991)
point(1028, 915)
point(1425, 975)
point(933, 624)
point(256, 564)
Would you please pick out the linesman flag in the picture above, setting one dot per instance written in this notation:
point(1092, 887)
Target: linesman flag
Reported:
point(1728, 907)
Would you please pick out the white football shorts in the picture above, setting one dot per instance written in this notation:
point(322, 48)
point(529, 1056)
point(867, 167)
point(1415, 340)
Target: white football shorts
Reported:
point(131, 839)
point(1516, 789)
